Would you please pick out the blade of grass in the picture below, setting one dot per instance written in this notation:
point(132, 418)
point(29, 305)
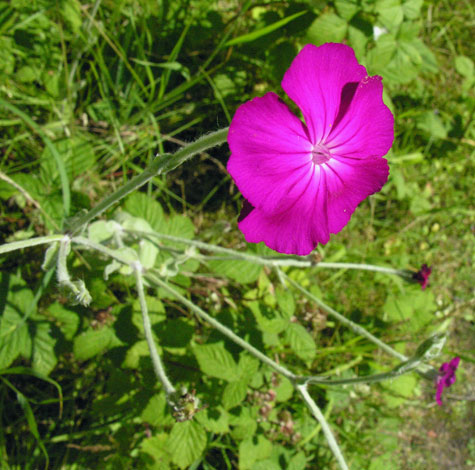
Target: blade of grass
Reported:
point(26, 371)
point(263, 31)
point(30, 417)
point(173, 56)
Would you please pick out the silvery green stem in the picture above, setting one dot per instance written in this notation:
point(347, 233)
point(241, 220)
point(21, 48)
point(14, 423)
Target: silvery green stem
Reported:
point(159, 165)
point(315, 410)
point(271, 261)
point(345, 321)
point(365, 267)
point(30, 242)
point(147, 327)
point(223, 329)
point(114, 254)
point(357, 380)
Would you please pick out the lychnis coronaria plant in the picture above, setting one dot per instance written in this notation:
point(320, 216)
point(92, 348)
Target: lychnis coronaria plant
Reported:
point(301, 182)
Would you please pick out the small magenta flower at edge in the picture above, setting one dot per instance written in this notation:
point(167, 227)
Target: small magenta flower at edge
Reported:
point(446, 377)
point(302, 182)
point(422, 276)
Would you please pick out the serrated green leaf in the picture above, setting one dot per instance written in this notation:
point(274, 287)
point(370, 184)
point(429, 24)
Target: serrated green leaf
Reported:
point(156, 312)
point(142, 206)
point(284, 390)
point(148, 252)
point(400, 389)
point(243, 272)
point(244, 424)
point(298, 462)
point(134, 353)
point(43, 355)
point(92, 342)
point(175, 333)
point(215, 420)
point(186, 443)
point(412, 9)
point(234, 393)
point(102, 230)
point(464, 66)
point(179, 226)
point(269, 320)
point(382, 54)
point(347, 8)
point(429, 61)
point(253, 449)
point(267, 464)
point(216, 361)
point(390, 13)
point(247, 366)
point(285, 301)
point(157, 448)
point(358, 41)
point(15, 339)
point(17, 302)
point(156, 412)
point(401, 69)
point(300, 341)
point(327, 28)
point(411, 51)
point(412, 310)
point(432, 124)
point(27, 74)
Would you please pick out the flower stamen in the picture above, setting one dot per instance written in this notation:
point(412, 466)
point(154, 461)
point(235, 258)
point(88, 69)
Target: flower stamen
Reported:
point(320, 154)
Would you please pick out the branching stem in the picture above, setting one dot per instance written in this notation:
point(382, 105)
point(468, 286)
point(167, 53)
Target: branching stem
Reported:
point(223, 329)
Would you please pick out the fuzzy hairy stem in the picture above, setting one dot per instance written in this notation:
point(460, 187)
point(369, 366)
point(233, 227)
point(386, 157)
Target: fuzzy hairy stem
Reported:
point(160, 165)
point(223, 329)
point(318, 415)
point(158, 368)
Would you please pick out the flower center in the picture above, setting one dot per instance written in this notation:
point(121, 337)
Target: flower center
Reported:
point(320, 155)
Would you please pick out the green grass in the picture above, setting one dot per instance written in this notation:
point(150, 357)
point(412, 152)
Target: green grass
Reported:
point(90, 93)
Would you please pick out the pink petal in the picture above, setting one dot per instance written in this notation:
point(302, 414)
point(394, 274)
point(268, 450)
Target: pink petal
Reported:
point(287, 232)
point(331, 196)
point(349, 182)
point(367, 127)
point(438, 393)
point(454, 363)
point(315, 81)
point(271, 156)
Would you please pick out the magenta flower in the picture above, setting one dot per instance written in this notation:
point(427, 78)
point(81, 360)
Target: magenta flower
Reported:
point(422, 276)
point(446, 377)
point(302, 182)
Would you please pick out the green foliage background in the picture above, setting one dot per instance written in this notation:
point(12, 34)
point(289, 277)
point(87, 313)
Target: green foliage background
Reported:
point(90, 92)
